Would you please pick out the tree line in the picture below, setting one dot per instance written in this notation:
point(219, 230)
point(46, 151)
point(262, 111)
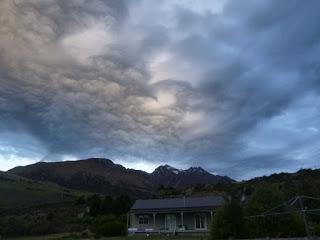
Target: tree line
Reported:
point(102, 215)
point(233, 220)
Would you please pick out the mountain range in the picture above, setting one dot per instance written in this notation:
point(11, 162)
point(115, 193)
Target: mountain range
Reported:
point(58, 182)
point(103, 176)
point(168, 176)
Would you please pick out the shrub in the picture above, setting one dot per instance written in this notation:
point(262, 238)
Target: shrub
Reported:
point(108, 226)
point(12, 227)
point(227, 221)
point(264, 198)
point(316, 229)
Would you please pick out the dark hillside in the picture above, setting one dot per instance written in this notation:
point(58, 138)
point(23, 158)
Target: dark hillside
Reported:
point(94, 175)
point(303, 182)
point(21, 192)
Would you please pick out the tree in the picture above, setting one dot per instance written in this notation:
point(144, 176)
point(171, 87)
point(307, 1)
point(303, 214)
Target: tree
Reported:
point(264, 198)
point(122, 205)
point(228, 220)
point(107, 206)
point(95, 206)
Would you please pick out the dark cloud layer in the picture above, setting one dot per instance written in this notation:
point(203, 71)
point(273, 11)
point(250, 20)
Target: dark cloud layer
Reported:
point(230, 86)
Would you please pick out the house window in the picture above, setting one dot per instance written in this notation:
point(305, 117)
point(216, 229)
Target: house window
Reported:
point(200, 221)
point(143, 219)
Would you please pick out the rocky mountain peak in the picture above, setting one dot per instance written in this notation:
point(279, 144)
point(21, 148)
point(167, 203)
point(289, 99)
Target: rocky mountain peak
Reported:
point(166, 169)
point(196, 170)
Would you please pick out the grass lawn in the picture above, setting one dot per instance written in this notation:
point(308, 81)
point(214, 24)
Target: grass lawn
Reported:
point(75, 236)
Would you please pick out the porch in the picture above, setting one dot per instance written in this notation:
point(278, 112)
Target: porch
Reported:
point(170, 222)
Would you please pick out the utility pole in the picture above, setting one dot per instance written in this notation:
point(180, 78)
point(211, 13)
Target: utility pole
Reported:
point(303, 211)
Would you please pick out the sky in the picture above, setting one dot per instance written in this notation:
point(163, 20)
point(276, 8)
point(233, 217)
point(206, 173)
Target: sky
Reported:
point(231, 86)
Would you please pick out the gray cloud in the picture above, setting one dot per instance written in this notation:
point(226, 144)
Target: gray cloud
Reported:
point(221, 86)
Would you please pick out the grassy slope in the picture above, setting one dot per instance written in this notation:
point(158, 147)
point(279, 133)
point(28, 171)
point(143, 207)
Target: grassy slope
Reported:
point(21, 192)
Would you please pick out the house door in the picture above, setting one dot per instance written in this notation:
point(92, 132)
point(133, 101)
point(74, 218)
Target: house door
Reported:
point(170, 222)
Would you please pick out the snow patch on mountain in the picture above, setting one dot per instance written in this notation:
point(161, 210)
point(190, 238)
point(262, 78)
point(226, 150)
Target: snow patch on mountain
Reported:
point(172, 169)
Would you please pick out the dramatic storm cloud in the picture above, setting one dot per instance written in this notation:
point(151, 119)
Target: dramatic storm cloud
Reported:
point(231, 86)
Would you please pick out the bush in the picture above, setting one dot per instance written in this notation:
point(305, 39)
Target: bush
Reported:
point(290, 225)
point(95, 206)
point(264, 198)
point(316, 229)
point(108, 226)
point(107, 205)
point(12, 227)
point(227, 221)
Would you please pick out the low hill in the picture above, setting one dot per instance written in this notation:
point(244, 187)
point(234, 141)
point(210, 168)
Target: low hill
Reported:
point(303, 182)
point(21, 192)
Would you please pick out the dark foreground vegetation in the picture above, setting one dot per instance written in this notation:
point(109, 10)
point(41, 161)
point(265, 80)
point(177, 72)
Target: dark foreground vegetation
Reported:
point(49, 209)
point(264, 194)
point(94, 216)
point(247, 220)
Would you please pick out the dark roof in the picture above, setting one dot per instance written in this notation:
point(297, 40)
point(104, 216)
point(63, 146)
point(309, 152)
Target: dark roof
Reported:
point(187, 202)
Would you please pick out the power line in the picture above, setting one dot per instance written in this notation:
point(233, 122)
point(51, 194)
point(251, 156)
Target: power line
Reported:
point(282, 213)
point(290, 204)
